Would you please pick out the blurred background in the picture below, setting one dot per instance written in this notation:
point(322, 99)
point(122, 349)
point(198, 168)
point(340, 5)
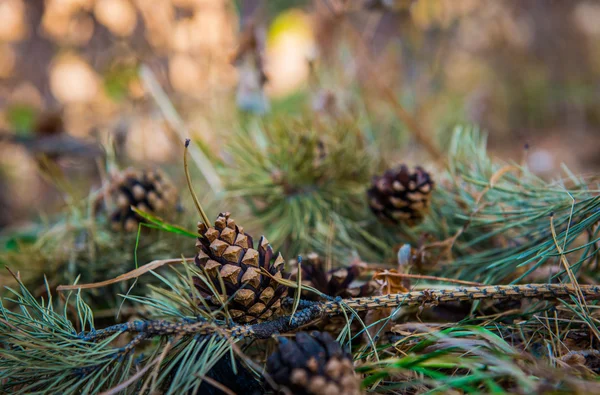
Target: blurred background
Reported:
point(79, 79)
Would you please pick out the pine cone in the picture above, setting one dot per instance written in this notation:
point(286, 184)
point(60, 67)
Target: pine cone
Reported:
point(401, 195)
point(149, 191)
point(226, 251)
point(335, 282)
point(399, 6)
point(313, 365)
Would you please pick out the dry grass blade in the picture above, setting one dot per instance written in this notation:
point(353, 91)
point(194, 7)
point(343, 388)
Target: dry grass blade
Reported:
point(564, 261)
point(299, 288)
point(177, 124)
point(126, 276)
point(216, 384)
point(387, 273)
point(131, 380)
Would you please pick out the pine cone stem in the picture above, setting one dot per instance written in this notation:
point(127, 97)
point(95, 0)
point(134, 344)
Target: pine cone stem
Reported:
point(189, 182)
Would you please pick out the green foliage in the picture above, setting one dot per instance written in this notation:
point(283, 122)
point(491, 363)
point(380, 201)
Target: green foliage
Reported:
point(43, 350)
point(78, 245)
point(494, 222)
point(55, 346)
point(465, 358)
point(21, 118)
point(40, 345)
point(156, 223)
point(304, 182)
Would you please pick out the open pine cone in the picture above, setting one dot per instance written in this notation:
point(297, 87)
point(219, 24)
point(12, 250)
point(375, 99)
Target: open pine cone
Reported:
point(401, 195)
point(226, 251)
point(149, 191)
point(335, 282)
point(341, 281)
point(314, 365)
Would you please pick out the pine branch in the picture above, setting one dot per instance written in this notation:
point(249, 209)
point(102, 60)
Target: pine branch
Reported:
point(459, 294)
point(315, 310)
point(44, 350)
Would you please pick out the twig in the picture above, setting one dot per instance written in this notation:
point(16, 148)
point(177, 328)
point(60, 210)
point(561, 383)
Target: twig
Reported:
point(434, 297)
point(263, 330)
point(177, 124)
point(314, 310)
point(410, 121)
point(138, 339)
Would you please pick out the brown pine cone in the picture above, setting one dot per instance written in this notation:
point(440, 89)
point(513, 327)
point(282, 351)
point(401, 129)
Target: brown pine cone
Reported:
point(313, 364)
point(149, 191)
point(401, 195)
point(226, 251)
point(335, 282)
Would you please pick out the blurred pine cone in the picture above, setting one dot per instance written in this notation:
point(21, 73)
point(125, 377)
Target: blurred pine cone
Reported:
point(313, 365)
point(149, 191)
point(341, 281)
point(49, 138)
point(390, 5)
point(335, 282)
point(226, 251)
point(401, 195)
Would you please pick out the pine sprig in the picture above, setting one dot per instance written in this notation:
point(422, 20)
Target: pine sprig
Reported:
point(304, 183)
point(43, 350)
point(77, 245)
point(314, 310)
point(489, 220)
point(493, 222)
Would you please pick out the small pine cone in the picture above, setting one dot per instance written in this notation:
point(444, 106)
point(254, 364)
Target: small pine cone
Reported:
point(149, 191)
point(335, 282)
point(401, 195)
point(49, 124)
point(226, 251)
point(313, 365)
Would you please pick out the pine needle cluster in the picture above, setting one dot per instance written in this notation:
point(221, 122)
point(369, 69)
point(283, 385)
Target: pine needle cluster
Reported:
point(495, 222)
point(304, 181)
point(76, 245)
